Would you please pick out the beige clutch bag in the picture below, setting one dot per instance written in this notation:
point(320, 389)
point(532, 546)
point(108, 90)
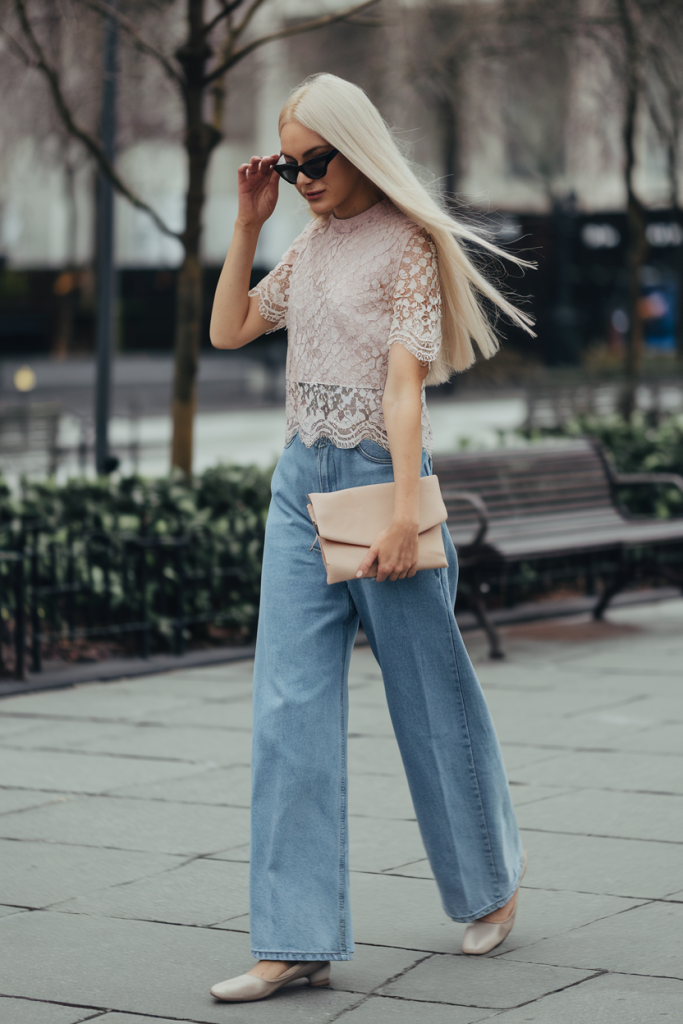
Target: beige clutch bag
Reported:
point(348, 521)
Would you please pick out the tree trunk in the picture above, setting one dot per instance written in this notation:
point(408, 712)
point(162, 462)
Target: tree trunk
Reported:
point(636, 246)
point(200, 140)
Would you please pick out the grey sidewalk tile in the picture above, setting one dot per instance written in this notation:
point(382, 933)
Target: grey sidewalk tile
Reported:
point(607, 999)
point(213, 714)
point(237, 854)
point(377, 755)
point(38, 874)
point(601, 770)
point(131, 825)
point(413, 869)
point(481, 982)
point(370, 719)
point(401, 912)
point(542, 912)
point(19, 799)
point(130, 1018)
point(378, 844)
point(533, 794)
point(226, 786)
point(126, 701)
point(606, 730)
point(664, 739)
point(384, 1010)
point(381, 796)
point(6, 911)
point(194, 745)
point(70, 771)
point(11, 725)
point(645, 940)
point(29, 1011)
point(371, 967)
point(591, 864)
point(608, 813)
point(155, 969)
point(202, 892)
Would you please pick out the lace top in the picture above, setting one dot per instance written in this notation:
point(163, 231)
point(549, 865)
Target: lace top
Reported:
point(347, 290)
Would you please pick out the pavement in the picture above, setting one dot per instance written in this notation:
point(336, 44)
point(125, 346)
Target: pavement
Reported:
point(124, 845)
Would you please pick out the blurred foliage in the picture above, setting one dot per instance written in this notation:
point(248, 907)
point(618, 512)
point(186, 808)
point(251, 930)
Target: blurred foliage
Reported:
point(635, 446)
point(123, 546)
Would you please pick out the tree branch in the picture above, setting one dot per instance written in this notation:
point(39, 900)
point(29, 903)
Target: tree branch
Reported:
point(225, 12)
point(284, 33)
point(90, 143)
point(140, 44)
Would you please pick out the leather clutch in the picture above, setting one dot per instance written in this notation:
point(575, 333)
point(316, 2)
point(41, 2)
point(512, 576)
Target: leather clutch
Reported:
point(348, 521)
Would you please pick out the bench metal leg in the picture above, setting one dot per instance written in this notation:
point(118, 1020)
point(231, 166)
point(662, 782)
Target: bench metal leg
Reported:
point(619, 581)
point(495, 648)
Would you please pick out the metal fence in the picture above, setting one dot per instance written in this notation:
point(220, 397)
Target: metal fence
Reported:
point(143, 591)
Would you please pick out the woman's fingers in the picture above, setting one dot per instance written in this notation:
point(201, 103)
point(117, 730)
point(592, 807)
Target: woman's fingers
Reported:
point(367, 563)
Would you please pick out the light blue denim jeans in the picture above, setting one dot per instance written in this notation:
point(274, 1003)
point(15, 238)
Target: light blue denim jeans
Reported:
point(299, 899)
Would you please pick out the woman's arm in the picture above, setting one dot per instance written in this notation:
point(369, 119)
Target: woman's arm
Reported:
point(235, 318)
point(395, 549)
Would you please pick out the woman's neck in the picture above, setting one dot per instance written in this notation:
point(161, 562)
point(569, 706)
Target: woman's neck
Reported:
point(360, 200)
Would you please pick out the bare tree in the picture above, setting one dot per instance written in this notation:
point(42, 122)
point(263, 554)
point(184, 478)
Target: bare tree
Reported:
point(214, 36)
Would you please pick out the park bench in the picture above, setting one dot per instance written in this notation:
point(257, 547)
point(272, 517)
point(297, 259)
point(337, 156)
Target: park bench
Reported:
point(543, 501)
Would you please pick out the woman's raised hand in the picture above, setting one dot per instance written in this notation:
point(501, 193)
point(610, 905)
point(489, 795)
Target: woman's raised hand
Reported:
point(257, 187)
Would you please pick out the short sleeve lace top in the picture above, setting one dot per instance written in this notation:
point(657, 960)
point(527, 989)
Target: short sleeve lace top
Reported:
point(347, 290)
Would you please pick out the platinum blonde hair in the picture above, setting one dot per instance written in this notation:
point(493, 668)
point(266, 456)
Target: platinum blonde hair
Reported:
point(344, 116)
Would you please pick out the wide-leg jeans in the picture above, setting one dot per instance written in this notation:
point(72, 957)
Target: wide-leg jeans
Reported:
point(299, 885)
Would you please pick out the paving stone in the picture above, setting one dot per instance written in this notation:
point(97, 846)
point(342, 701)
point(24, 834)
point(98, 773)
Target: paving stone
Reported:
point(381, 796)
point(600, 770)
point(384, 1010)
point(133, 966)
point(665, 739)
point(644, 940)
point(592, 864)
point(402, 912)
point(377, 755)
point(202, 892)
point(531, 794)
point(131, 825)
point(30, 1011)
point(6, 911)
point(17, 799)
point(212, 714)
point(607, 998)
point(601, 812)
point(37, 874)
point(379, 844)
point(12, 725)
point(371, 967)
point(481, 981)
point(218, 786)
point(125, 701)
point(218, 746)
point(73, 772)
point(130, 1018)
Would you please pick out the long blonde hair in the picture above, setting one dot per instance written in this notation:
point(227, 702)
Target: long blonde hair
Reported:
point(344, 116)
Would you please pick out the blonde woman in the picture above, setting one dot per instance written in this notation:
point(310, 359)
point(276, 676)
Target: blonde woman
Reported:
point(379, 296)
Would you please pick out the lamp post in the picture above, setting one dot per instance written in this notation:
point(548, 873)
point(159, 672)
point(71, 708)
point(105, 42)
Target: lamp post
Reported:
point(106, 275)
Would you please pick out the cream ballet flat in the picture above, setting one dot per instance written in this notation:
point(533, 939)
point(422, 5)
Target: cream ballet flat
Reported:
point(247, 987)
point(482, 936)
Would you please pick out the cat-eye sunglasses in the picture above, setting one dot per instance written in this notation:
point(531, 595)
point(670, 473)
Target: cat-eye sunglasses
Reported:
point(314, 168)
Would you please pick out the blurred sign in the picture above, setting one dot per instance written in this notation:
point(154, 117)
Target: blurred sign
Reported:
point(600, 236)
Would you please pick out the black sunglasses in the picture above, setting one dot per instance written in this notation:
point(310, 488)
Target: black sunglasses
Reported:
point(314, 168)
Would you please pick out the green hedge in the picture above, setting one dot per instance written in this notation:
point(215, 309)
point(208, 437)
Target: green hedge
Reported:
point(84, 532)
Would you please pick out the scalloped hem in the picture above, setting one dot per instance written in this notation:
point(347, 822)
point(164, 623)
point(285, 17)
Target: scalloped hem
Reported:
point(347, 443)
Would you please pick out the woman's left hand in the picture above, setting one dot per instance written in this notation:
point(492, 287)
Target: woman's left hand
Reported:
point(395, 552)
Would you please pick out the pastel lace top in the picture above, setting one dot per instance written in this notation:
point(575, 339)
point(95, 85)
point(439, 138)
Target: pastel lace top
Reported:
point(347, 290)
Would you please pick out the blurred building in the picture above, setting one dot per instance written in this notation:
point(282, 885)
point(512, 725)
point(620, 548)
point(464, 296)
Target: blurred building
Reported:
point(532, 144)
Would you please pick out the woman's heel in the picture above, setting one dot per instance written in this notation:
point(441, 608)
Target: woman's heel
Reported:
point(321, 976)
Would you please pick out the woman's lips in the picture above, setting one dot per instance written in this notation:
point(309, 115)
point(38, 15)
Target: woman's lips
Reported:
point(314, 195)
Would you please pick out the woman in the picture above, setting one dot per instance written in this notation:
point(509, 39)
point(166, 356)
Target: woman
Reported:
point(378, 295)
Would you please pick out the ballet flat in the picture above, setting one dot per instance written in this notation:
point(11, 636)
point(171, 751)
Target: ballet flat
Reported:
point(247, 987)
point(483, 936)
